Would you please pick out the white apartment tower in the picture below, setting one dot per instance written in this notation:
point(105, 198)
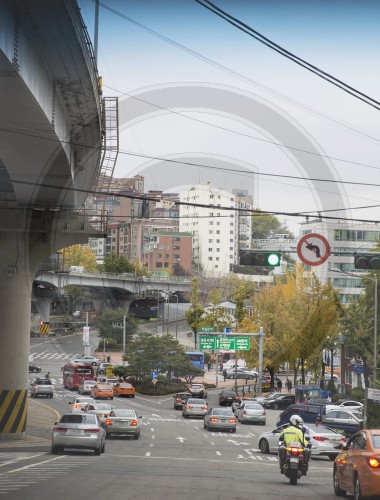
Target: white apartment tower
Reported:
point(217, 232)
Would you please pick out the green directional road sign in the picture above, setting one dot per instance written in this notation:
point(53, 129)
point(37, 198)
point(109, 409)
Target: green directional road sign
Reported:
point(225, 343)
point(207, 328)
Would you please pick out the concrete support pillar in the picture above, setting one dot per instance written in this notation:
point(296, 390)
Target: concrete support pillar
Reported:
point(125, 303)
point(15, 303)
point(44, 309)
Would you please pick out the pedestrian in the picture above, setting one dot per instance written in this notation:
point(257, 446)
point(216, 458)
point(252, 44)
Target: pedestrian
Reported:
point(289, 384)
point(209, 366)
point(47, 376)
point(279, 385)
point(224, 374)
point(318, 421)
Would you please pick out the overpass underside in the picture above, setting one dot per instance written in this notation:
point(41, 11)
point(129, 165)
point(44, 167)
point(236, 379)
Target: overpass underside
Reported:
point(50, 149)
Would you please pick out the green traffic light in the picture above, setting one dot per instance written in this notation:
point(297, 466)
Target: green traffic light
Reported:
point(273, 259)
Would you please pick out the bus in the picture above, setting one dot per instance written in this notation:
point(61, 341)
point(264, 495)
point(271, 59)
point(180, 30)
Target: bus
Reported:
point(197, 359)
point(74, 373)
point(227, 359)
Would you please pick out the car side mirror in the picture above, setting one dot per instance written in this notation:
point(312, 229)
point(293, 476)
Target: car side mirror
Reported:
point(140, 416)
point(69, 403)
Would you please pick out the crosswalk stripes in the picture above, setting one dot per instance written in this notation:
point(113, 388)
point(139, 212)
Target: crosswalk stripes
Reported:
point(54, 355)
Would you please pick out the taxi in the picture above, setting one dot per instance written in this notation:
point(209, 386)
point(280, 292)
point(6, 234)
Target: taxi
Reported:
point(124, 389)
point(357, 467)
point(102, 391)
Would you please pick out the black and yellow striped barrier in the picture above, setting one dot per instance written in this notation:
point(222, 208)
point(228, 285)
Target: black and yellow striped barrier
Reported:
point(13, 410)
point(44, 328)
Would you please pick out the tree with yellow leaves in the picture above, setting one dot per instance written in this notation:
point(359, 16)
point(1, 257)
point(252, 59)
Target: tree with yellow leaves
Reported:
point(298, 313)
point(79, 255)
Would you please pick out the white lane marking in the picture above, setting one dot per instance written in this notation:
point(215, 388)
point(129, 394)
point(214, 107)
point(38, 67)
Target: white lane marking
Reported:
point(147, 454)
point(218, 453)
point(181, 439)
point(19, 459)
point(152, 429)
point(26, 467)
point(212, 443)
point(153, 437)
point(151, 445)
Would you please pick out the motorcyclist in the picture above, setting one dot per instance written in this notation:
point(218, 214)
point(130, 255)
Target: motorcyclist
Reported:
point(294, 433)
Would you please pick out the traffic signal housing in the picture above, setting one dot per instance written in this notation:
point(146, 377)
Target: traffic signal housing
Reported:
point(367, 260)
point(259, 258)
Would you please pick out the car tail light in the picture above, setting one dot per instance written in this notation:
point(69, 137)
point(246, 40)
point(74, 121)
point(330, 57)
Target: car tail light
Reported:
point(213, 419)
point(344, 439)
point(108, 421)
point(177, 399)
point(134, 423)
point(59, 429)
point(76, 406)
point(373, 463)
point(233, 420)
point(204, 408)
point(91, 431)
point(320, 438)
point(189, 407)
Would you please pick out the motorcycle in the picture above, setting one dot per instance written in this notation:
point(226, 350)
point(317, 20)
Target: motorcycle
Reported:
point(293, 467)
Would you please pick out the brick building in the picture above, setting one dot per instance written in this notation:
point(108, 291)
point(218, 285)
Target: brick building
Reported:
point(168, 250)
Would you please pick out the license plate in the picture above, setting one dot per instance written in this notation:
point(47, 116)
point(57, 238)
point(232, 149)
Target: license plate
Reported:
point(122, 423)
point(223, 420)
point(74, 432)
point(294, 459)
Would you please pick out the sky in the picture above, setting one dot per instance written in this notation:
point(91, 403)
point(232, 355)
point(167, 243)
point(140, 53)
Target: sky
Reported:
point(195, 89)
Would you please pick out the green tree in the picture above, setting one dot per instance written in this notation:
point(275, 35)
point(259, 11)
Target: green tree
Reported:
point(79, 255)
point(239, 297)
point(358, 332)
point(117, 264)
point(165, 355)
point(195, 311)
point(266, 225)
point(215, 315)
point(109, 325)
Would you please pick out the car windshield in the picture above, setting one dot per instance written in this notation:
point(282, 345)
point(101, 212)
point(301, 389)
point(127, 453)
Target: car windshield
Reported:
point(221, 411)
point(196, 386)
point(101, 407)
point(358, 415)
point(84, 400)
point(229, 393)
point(77, 418)
point(43, 382)
point(196, 402)
point(103, 386)
point(123, 413)
point(125, 386)
point(253, 407)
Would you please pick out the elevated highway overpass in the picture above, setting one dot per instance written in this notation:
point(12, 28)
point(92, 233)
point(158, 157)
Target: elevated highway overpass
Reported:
point(50, 150)
point(124, 289)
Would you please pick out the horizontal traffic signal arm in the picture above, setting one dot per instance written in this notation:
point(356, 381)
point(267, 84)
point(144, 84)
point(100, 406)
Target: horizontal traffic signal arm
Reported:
point(267, 258)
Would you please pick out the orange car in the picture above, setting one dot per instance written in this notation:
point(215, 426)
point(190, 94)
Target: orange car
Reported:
point(357, 467)
point(102, 391)
point(124, 389)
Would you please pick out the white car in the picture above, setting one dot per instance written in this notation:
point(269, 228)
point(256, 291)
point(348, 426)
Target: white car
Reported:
point(346, 405)
point(324, 441)
point(90, 360)
point(79, 403)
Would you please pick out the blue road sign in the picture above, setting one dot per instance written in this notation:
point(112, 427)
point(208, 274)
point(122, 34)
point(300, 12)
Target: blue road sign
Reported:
point(154, 374)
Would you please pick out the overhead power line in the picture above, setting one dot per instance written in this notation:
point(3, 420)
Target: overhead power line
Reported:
point(289, 55)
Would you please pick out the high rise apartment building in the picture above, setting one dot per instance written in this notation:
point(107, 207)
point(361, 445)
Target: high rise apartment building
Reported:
point(219, 221)
point(344, 239)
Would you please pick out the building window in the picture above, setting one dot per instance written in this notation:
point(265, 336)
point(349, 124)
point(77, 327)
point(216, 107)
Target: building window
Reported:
point(218, 223)
point(159, 256)
point(166, 247)
point(216, 266)
point(211, 223)
point(158, 264)
point(210, 258)
point(218, 241)
point(217, 258)
point(210, 249)
point(176, 256)
point(218, 232)
point(166, 264)
point(211, 232)
point(210, 241)
point(176, 248)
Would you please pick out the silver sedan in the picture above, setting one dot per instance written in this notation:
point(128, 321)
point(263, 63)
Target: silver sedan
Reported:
point(122, 422)
point(251, 412)
point(78, 431)
point(220, 418)
point(194, 408)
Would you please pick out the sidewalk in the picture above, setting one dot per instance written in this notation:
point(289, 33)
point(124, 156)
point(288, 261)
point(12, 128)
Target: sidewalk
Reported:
point(41, 419)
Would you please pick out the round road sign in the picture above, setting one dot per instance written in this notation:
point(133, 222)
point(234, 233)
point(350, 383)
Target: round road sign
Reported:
point(313, 249)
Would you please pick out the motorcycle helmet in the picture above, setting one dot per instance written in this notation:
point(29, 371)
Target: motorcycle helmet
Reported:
point(296, 420)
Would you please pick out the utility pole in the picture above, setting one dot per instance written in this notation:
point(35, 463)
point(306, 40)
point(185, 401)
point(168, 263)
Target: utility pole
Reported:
point(124, 328)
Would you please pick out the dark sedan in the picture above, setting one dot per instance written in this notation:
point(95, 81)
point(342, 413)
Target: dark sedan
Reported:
point(279, 402)
point(180, 399)
point(34, 368)
point(226, 398)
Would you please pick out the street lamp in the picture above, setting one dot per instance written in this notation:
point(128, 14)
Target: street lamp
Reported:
point(374, 280)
